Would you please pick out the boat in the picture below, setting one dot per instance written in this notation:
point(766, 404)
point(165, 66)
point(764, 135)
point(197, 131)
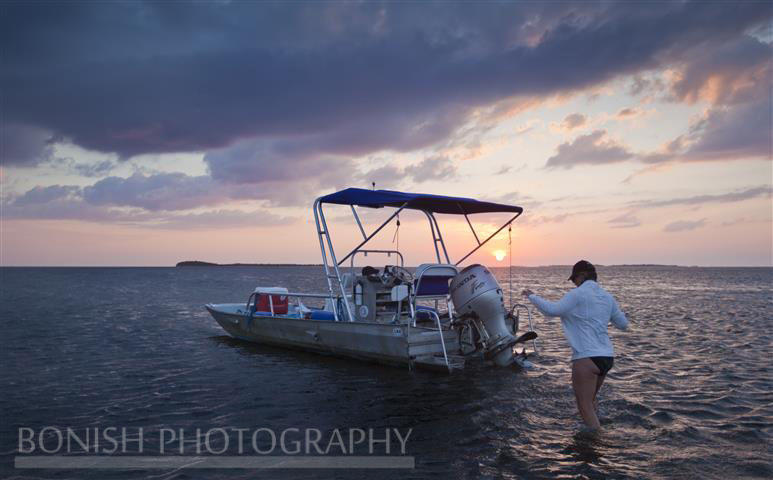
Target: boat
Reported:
point(437, 316)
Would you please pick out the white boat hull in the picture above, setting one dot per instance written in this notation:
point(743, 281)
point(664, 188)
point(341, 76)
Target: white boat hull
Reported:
point(390, 344)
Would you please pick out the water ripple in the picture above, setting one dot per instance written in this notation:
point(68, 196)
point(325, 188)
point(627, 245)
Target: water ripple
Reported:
point(690, 395)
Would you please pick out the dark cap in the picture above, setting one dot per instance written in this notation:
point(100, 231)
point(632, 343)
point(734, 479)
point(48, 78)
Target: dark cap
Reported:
point(583, 266)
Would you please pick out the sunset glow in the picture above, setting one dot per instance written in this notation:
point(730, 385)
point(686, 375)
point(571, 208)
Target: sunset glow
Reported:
point(173, 140)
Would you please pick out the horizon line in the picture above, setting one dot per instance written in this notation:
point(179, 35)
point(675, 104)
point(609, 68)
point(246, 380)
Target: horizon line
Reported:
point(239, 265)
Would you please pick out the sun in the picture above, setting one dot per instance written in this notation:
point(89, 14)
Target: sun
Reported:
point(499, 255)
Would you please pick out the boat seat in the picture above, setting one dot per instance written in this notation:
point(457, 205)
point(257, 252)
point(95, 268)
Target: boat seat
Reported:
point(368, 270)
point(322, 315)
point(432, 279)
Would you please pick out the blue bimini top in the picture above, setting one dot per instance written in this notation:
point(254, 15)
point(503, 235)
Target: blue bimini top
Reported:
point(415, 201)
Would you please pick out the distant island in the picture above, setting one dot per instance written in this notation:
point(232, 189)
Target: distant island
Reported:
point(645, 265)
point(197, 263)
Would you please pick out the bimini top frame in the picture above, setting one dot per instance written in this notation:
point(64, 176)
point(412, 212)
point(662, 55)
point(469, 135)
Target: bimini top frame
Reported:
point(429, 204)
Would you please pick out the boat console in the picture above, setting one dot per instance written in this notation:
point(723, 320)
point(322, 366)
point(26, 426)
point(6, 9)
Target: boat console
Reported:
point(381, 296)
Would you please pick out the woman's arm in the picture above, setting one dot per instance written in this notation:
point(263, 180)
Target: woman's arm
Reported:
point(618, 317)
point(554, 309)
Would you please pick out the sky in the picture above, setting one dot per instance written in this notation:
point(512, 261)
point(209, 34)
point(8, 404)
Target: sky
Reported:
point(147, 133)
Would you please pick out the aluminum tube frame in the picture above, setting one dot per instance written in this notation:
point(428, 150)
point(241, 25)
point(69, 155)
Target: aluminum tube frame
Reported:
point(369, 237)
point(472, 229)
point(434, 238)
point(359, 224)
point(335, 266)
point(489, 238)
point(440, 236)
point(320, 232)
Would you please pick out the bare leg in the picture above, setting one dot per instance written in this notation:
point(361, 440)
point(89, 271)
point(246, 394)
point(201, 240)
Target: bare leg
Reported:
point(584, 379)
point(599, 382)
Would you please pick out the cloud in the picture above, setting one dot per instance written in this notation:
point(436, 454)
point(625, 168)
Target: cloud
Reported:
point(437, 167)
point(158, 192)
point(736, 79)
point(549, 219)
point(647, 84)
point(431, 168)
point(730, 197)
point(66, 206)
point(78, 210)
point(163, 191)
point(626, 220)
point(727, 132)
point(543, 219)
point(98, 169)
point(512, 198)
point(735, 221)
point(130, 205)
point(573, 121)
point(739, 132)
point(745, 220)
point(336, 79)
point(627, 112)
point(24, 145)
point(684, 225)
point(735, 72)
point(593, 149)
point(282, 169)
point(385, 177)
point(221, 219)
point(259, 161)
point(40, 195)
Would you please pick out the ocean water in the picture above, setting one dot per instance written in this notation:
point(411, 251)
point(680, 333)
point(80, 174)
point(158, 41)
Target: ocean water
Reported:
point(691, 394)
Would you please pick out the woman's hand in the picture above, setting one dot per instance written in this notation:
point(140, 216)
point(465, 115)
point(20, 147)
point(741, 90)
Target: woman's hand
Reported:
point(526, 292)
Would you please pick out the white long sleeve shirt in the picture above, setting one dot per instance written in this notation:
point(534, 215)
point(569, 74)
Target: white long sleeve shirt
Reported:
point(585, 313)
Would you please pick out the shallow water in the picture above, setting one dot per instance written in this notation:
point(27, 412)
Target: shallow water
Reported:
point(690, 395)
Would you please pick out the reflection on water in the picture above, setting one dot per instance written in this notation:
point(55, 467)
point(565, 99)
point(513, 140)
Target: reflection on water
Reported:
point(690, 394)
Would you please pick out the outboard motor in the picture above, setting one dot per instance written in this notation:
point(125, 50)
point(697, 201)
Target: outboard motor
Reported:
point(476, 294)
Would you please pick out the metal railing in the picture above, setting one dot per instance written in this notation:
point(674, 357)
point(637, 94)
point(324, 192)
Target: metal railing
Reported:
point(531, 325)
point(442, 339)
point(388, 253)
point(297, 296)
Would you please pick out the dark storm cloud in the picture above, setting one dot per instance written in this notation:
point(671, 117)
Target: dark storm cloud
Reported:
point(338, 78)
point(22, 145)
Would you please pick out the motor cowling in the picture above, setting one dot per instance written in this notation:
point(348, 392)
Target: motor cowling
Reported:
point(477, 294)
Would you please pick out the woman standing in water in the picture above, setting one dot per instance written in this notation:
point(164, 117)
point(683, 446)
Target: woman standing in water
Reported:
point(585, 313)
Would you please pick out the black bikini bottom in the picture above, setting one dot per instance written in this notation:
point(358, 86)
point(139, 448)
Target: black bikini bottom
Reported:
point(604, 363)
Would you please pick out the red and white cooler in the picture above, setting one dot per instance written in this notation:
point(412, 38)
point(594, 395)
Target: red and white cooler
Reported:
point(266, 297)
